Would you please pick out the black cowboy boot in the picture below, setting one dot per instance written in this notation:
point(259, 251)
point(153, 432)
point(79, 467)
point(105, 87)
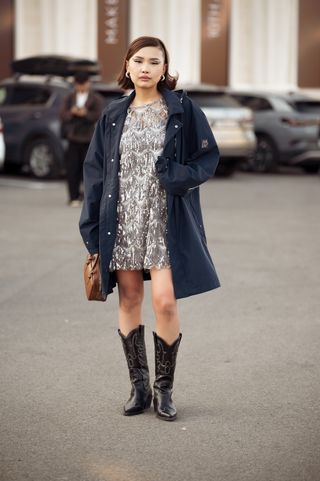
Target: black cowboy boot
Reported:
point(165, 358)
point(135, 352)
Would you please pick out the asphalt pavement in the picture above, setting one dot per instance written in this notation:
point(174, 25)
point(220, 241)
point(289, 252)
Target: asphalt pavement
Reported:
point(247, 379)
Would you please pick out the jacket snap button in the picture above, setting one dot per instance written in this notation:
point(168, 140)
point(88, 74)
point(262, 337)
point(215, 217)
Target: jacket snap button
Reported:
point(109, 233)
point(176, 126)
point(109, 195)
point(112, 160)
point(113, 124)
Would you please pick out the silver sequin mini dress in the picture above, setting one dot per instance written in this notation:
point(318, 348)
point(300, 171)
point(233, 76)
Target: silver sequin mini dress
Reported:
point(142, 207)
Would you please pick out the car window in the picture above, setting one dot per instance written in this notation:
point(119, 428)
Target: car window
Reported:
point(213, 99)
point(28, 95)
point(306, 105)
point(281, 104)
point(256, 104)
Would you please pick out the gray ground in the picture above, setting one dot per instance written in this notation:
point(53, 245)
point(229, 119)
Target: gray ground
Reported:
point(247, 379)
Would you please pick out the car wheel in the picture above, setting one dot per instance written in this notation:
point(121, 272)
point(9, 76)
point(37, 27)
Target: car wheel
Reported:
point(226, 169)
point(265, 156)
point(41, 158)
point(311, 169)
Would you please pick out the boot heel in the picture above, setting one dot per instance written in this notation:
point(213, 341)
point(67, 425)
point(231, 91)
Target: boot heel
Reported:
point(148, 401)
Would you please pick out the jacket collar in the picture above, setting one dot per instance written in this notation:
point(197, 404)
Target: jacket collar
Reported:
point(172, 99)
point(120, 106)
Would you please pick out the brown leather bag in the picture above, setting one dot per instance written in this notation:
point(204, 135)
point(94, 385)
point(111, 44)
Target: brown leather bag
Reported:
point(92, 278)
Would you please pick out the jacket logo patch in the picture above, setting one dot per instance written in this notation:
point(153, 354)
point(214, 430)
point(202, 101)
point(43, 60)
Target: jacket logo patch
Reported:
point(204, 143)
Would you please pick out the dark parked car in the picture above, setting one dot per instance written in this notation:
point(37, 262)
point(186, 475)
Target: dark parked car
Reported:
point(287, 130)
point(32, 129)
point(30, 106)
point(30, 110)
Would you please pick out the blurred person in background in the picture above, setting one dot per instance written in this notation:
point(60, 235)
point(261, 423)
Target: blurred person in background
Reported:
point(80, 111)
point(150, 152)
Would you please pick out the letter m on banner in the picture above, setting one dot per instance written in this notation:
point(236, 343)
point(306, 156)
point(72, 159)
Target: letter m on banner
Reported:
point(113, 19)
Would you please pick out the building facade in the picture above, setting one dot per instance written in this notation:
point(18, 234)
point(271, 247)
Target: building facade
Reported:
point(240, 43)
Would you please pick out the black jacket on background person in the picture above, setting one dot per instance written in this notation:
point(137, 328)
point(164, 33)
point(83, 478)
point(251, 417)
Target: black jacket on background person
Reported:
point(80, 129)
point(190, 157)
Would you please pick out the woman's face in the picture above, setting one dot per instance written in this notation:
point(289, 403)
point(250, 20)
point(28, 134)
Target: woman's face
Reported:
point(146, 67)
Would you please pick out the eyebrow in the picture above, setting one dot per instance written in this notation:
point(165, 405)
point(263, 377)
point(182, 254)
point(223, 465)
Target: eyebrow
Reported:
point(142, 58)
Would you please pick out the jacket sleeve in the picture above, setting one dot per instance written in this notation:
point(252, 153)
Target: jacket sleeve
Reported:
point(65, 113)
point(93, 187)
point(200, 159)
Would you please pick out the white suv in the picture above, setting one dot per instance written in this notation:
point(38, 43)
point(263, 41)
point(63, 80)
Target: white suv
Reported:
point(231, 123)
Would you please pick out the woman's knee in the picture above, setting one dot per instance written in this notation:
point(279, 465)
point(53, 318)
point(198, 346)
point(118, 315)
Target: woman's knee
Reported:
point(165, 305)
point(130, 297)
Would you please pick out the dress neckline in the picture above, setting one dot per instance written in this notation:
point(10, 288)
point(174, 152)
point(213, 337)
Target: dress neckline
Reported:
point(149, 104)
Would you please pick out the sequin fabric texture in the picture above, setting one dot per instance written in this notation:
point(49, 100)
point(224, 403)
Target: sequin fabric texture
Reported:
point(142, 207)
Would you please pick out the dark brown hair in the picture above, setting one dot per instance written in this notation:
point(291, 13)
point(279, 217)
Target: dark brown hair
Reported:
point(141, 42)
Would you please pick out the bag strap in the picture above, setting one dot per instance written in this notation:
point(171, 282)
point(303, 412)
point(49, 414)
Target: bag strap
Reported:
point(93, 259)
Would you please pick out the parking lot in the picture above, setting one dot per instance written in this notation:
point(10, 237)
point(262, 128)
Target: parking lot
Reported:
point(247, 379)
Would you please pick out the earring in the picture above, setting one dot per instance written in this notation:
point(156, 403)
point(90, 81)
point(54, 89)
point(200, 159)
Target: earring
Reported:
point(163, 77)
point(127, 74)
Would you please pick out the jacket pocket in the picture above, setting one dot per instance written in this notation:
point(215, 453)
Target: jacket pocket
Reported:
point(192, 200)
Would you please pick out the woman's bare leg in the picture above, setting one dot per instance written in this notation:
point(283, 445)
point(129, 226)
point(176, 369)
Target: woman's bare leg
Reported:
point(130, 288)
point(164, 305)
point(166, 342)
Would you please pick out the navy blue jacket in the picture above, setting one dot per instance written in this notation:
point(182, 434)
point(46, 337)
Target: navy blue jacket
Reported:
point(190, 157)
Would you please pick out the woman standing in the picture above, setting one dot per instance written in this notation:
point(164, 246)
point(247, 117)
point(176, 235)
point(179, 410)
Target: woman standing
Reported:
point(150, 152)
